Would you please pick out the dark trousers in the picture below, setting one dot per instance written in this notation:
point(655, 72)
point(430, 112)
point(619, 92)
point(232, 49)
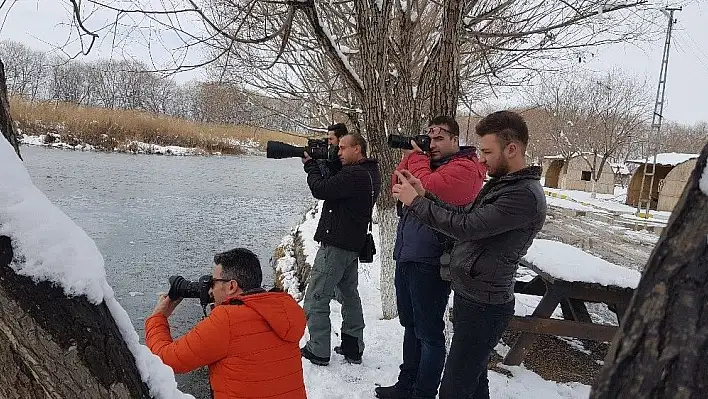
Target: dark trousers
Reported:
point(477, 330)
point(421, 297)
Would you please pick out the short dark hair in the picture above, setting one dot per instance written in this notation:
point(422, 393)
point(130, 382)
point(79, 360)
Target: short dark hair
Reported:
point(242, 265)
point(358, 139)
point(507, 125)
point(449, 121)
point(339, 130)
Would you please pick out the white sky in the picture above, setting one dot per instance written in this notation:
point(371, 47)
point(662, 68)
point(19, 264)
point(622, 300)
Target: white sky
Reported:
point(41, 24)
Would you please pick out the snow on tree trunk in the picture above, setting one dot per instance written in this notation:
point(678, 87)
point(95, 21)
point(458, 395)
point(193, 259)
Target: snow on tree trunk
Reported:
point(51, 345)
point(388, 221)
point(661, 349)
point(594, 189)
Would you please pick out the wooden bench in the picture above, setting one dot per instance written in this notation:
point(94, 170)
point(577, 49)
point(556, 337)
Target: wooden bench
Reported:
point(566, 276)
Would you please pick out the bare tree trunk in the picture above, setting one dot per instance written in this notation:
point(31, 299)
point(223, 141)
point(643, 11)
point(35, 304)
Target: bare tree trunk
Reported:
point(446, 74)
point(661, 349)
point(8, 128)
point(51, 345)
point(374, 46)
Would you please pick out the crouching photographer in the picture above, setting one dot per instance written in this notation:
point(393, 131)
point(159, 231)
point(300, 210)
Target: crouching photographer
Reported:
point(250, 339)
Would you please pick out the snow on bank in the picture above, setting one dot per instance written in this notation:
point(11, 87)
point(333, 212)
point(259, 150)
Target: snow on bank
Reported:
point(285, 266)
point(53, 248)
point(703, 184)
point(138, 147)
point(384, 338)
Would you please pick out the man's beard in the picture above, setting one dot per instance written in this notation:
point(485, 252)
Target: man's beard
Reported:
point(502, 169)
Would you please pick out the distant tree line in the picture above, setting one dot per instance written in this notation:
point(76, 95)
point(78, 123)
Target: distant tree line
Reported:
point(124, 84)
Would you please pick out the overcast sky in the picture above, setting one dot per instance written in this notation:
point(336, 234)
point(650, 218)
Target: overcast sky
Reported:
point(41, 24)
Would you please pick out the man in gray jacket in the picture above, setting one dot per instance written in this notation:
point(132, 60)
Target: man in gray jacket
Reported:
point(492, 234)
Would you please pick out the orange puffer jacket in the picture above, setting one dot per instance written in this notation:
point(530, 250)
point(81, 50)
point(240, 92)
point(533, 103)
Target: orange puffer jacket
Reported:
point(250, 343)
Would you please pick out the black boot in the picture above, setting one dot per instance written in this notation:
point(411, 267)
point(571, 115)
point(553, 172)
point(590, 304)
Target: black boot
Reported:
point(393, 392)
point(349, 349)
point(319, 361)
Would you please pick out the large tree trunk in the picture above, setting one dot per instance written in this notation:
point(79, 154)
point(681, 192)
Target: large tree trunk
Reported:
point(53, 346)
point(8, 128)
point(374, 47)
point(445, 85)
point(661, 350)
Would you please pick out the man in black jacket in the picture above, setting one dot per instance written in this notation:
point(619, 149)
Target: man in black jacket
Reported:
point(492, 234)
point(349, 197)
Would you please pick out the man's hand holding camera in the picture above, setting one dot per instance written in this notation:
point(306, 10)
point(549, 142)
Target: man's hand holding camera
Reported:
point(305, 157)
point(416, 149)
point(408, 187)
point(165, 305)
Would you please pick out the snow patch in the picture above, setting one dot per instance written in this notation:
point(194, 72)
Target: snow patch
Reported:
point(572, 264)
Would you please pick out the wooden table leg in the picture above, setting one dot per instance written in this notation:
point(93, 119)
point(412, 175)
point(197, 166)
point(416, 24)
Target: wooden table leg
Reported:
point(579, 310)
point(544, 310)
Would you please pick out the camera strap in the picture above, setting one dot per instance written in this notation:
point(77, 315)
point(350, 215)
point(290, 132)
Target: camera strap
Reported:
point(371, 218)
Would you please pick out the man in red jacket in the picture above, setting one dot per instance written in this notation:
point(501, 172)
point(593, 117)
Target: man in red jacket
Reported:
point(422, 283)
point(250, 340)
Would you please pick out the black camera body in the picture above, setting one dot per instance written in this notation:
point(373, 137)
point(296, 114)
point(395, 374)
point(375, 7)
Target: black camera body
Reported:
point(316, 148)
point(183, 288)
point(404, 142)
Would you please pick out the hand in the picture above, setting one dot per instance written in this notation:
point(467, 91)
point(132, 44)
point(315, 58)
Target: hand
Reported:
point(306, 158)
point(165, 305)
point(415, 147)
point(404, 175)
point(404, 191)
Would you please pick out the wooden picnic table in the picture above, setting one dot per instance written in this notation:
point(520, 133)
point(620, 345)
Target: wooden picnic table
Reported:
point(569, 277)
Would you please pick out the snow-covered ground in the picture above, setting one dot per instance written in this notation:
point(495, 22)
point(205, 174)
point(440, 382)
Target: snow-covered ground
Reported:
point(604, 203)
point(384, 339)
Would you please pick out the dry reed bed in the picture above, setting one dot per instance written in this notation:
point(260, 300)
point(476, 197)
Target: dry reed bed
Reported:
point(110, 129)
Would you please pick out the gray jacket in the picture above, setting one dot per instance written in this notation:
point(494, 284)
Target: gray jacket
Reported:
point(493, 233)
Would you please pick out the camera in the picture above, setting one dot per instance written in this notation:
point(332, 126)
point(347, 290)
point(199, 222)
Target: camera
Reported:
point(316, 148)
point(404, 142)
point(183, 288)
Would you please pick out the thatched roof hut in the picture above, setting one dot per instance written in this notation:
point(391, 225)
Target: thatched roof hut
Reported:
point(665, 164)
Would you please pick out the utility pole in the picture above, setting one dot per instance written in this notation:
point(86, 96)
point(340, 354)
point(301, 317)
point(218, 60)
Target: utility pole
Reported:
point(657, 117)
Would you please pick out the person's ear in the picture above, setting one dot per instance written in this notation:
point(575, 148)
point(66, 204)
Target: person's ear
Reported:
point(512, 149)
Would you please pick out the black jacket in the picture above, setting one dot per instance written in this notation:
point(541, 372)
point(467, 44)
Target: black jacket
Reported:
point(493, 233)
point(347, 202)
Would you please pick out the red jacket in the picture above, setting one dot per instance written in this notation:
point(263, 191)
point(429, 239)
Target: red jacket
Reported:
point(250, 343)
point(457, 181)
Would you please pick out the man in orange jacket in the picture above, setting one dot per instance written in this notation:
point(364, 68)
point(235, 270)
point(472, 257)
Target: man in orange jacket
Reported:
point(250, 340)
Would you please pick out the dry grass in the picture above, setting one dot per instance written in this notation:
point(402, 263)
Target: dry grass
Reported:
point(109, 129)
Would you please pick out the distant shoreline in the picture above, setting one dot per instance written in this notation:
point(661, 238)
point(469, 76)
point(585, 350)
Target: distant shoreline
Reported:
point(51, 140)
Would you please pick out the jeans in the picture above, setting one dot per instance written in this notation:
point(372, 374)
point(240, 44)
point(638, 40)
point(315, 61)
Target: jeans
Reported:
point(421, 297)
point(333, 268)
point(477, 330)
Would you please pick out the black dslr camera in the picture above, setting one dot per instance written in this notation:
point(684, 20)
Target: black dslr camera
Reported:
point(404, 142)
point(183, 288)
point(316, 148)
